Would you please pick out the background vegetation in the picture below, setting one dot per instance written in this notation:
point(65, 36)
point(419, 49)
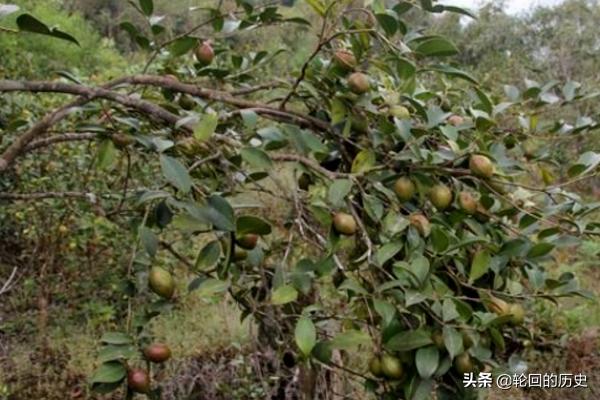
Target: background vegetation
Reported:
point(66, 293)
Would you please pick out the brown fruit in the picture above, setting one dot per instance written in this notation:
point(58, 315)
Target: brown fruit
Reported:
point(344, 224)
point(399, 112)
point(391, 367)
point(467, 203)
point(358, 83)
point(438, 339)
point(248, 241)
point(456, 120)
point(122, 140)
point(481, 166)
point(345, 60)
point(161, 282)
point(463, 363)
point(138, 380)
point(404, 188)
point(440, 196)
point(157, 352)
point(186, 102)
point(517, 314)
point(498, 306)
point(375, 367)
point(205, 53)
point(421, 224)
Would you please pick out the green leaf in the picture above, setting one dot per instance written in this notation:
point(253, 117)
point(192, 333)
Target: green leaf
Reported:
point(427, 360)
point(409, 340)
point(149, 240)
point(388, 22)
point(107, 154)
point(116, 338)
point(183, 45)
point(350, 339)
point(387, 251)
point(211, 287)
point(256, 158)
point(453, 72)
point(284, 294)
point(338, 191)
point(318, 6)
point(109, 372)
point(218, 212)
point(480, 265)
point(249, 224)
point(28, 23)
point(209, 255)
point(424, 390)
point(323, 351)
point(147, 7)
point(436, 47)
point(249, 117)
point(306, 335)
point(175, 173)
point(206, 127)
point(449, 310)
point(453, 341)
point(115, 353)
point(420, 268)
point(540, 249)
point(364, 161)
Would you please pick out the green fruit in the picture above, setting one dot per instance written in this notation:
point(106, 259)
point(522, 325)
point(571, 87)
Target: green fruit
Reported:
point(122, 140)
point(161, 282)
point(463, 363)
point(399, 112)
point(138, 380)
point(157, 353)
point(186, 102)
point(456, 120)
point(467, 340)
point(467, 203)
point(344, 224)
point(421, 224)
point(358, 83)
point(517, 314)
point(345, 60)
point(375, 367)
point(391, 367)
point(404, 188)
point(438, 339)
point(481, 166)
point(205, 53)
point(248, 241)
point(441, 197)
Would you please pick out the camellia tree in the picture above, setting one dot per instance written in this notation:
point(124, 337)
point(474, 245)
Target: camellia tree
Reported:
point(406, 219)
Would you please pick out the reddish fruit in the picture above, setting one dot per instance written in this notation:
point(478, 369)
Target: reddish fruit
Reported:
point(157, 352)
point(467, 203)
point(205, 53)
point(421, 224)
point(358, 83)
point(345, 60)
point(138, 380)
point(456, 120)
point(481, 166)
point(248, 241)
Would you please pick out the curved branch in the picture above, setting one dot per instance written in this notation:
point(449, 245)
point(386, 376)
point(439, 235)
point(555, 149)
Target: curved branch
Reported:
point(88, 94)
point(65, 137)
